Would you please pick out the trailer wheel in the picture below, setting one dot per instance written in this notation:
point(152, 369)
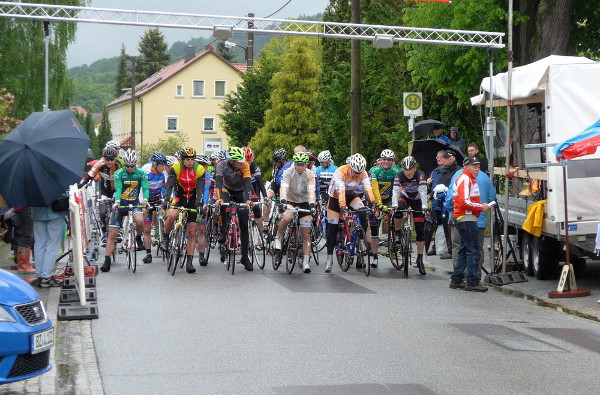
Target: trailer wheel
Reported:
point(526, 253)
point(544, 256)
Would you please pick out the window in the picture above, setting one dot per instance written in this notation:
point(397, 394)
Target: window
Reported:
point(219, 88)
point(179, 91)
point(172, 123)
point(211, 145)
point(198, 88)
point(209, 125)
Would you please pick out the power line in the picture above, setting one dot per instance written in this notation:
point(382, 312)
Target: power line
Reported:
point(282, 7)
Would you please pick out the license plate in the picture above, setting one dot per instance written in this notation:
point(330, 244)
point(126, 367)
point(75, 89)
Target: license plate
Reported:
point(42, 341)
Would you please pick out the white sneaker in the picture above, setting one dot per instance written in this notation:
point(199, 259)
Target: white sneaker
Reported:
point(305, 265)
point(277, 244)
point(374, 262)
point(328, 263)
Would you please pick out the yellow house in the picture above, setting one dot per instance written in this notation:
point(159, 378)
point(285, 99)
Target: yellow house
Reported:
point(182, 97)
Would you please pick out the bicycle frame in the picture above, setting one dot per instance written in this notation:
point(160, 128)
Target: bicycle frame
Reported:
point(350, 233)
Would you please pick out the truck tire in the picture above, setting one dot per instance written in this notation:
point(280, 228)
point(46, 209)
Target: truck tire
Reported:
point(526, 253)
point(544, 256)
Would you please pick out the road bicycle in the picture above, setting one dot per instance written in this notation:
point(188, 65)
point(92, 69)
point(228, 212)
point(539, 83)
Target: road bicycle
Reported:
point(232, 243)
point(291, 242)
point(257, 248)
point(404, 240)
point(393, 242)
point(129, 245)
point(352, 242)
point(271, 231)
point(318, 232)
point(211, 231)
point(178, 239)
point(158, 228)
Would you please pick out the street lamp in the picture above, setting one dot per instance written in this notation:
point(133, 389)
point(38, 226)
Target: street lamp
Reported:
point(383, 40)
point(222, 32)
point(231, 44)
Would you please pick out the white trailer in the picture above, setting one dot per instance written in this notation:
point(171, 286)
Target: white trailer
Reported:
point(569, 90)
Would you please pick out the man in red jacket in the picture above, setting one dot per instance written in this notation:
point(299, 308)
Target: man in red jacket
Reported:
point(467, 207)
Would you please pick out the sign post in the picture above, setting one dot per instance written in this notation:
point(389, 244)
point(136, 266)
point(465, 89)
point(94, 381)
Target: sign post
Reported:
point(413, 107)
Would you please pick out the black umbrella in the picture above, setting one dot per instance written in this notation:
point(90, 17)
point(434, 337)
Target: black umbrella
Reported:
point(41, 157)
point(425, 128)
point(425, 152)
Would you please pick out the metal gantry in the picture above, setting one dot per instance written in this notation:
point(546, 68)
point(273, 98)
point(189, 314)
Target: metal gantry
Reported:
point(50, 12)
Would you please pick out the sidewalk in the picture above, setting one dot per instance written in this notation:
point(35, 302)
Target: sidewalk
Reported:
point(536, 291)
point(73, 357)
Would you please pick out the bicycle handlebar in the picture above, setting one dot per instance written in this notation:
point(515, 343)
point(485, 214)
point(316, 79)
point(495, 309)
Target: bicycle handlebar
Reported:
point(192, 210)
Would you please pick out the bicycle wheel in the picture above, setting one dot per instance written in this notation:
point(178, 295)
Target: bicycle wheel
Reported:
point(175, 251)
point(129, 247)
point(257, 246)
point(171, 255)
point(291, 241)
point(363, 251)
point(183, 247)
point(159, 237)
point(317, 236)
point(314, 248)
point(134, 249)
point(231, 247)
point(211, 237)
point(406, 250)
point(344, 256)
point(394, 249)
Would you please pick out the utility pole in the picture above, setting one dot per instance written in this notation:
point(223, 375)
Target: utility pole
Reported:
point(355, 94)
point(133, 61)
point(46, 65)
point(250, 46)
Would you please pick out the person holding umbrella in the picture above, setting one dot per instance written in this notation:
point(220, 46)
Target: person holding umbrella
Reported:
point(438, 133)
point(128, 183)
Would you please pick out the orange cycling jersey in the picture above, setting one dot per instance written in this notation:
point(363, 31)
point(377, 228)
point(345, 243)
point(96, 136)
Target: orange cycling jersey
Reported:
point(343, 183)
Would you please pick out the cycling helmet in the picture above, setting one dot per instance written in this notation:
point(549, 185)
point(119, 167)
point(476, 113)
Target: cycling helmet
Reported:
point(324, 156)
point(301, 157)
point(223, 155)
point(110, 152)
point(171, 160)
point(408, 163)
point(202, 159)
point(188, 152)
point(130, 158)
point(357, 163)
point(236, 154)
point(249, 154)
point(214, 156)
point(387, 154)
point(312, 155)
point(279, 155)
point(158, 158)
point(114, 144)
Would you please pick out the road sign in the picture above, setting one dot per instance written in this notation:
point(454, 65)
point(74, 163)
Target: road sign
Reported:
point(413, 104)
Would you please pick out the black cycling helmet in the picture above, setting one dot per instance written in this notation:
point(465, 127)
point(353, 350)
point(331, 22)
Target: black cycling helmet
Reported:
point(279, 155)
point(159, 158)
point(312, 155)
point(109, 152)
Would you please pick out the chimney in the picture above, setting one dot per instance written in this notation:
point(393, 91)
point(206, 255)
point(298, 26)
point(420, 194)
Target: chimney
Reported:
point(190, 52)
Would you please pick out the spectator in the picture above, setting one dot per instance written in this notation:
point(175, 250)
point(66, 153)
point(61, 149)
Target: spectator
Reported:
point(23, 239)
point(473, 150)
point(47, 229)
point(467, 208)
point(456, 140)
point(438, 133)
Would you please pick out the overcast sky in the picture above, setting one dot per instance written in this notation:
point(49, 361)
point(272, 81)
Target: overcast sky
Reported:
point(96, 41)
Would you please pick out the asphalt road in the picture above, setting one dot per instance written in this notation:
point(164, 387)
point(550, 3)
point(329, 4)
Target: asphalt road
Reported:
point(266, 332)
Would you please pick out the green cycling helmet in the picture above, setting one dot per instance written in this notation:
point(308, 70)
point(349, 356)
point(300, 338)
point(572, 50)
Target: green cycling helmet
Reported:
point(301, 157)
point(236, 154)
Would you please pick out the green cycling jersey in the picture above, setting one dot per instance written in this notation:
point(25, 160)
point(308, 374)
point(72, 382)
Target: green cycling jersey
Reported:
point(128, 185)
point(382, 181)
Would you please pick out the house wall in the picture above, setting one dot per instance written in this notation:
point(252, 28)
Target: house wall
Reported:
point(162, 102)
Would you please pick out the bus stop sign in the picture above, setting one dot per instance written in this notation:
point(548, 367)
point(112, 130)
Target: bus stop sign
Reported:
point(413, 104)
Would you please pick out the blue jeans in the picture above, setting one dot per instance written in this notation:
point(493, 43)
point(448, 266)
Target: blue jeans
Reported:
point(468, 253)
point(47, 236)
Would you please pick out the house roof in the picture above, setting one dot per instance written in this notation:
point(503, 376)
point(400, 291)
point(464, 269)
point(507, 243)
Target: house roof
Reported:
point(78, 110)
point(169, 71)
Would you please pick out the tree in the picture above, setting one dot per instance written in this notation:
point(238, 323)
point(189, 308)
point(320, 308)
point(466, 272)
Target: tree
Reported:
point(88, 125)
point(244, 108)
point(227, 53)
point(104, 132)
point(123, 79)
point(22, 62)
point(7, 123)
point(153, 51)
point(293, 117)
point(167, 146)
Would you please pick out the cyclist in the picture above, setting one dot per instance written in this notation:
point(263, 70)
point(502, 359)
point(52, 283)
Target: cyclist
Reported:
point(410, 190)
point(106, 168)
point(157, 182)
point(233, 183)
point(298, 188)
point(186, 179)
point(324, 174)
point(312, 159)
point(382, 180)
point(342, 193)
point(279, 158)
point(203, 161)
point(258, 186)
point(128, 183)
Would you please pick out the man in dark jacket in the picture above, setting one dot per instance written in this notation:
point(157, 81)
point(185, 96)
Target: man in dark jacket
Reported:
point(456, 140)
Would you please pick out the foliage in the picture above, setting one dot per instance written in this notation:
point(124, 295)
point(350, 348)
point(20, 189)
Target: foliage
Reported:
point(153, 51)
point(584, 40)
point(227, 53)
point(167, 145)
point(88, 125)
point(122, 80)
point(104, 132)
point(22, 62)
point(244, 109)
point(7, 123)
point(293, 117)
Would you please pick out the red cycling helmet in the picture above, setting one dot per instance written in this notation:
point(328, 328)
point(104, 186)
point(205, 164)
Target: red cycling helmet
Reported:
point(249, 154)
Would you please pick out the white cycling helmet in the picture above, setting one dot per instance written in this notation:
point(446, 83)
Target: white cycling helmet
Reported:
point(114, 144)
point(387, 154)
point(130, 158)
point(357, 163)
point(171, 160)
point(324, 156)
point(202, 159)
point(408, 163)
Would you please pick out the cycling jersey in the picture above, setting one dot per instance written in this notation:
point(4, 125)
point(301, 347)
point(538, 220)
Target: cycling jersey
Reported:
point(157, 183)
point(258, 186)
point(382, 181)
point(188, 183)
point(298, 188)
point(324, 176)
point(412, 189)
point(128, 186)
point(342, 183)
point(231, 179)
point(107, 185)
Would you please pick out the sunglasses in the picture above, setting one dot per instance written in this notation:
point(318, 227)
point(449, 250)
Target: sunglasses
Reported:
point(130, 167)
point(109, 158)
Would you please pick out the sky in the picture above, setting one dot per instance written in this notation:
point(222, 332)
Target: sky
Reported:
point(96, 41)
